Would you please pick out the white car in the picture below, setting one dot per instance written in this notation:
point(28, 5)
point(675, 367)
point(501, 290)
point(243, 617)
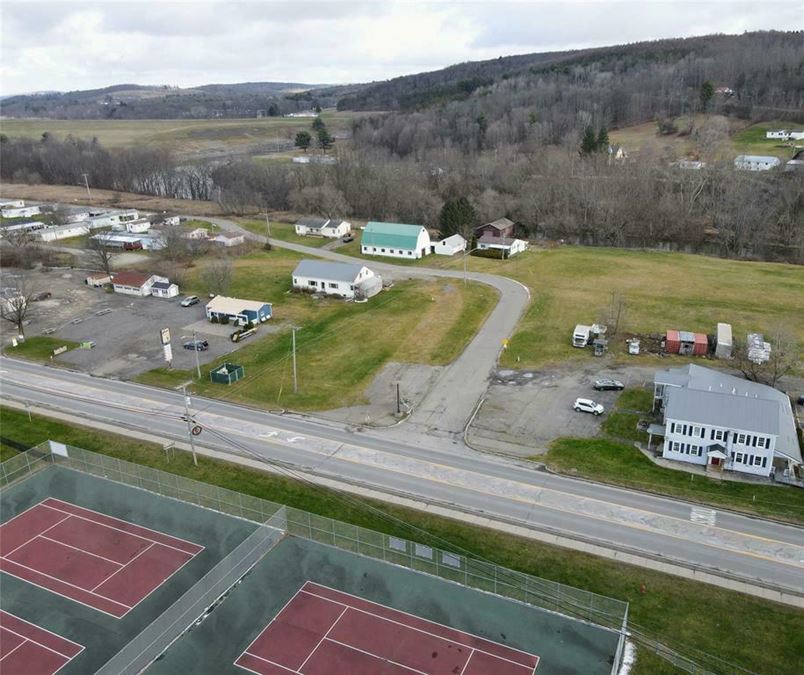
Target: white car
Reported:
point(588, 405)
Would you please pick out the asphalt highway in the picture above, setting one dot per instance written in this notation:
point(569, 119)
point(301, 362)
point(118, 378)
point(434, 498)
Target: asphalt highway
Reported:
point(747, 548)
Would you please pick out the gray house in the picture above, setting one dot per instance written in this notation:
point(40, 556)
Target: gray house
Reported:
point(725, 422)
point(345, 280)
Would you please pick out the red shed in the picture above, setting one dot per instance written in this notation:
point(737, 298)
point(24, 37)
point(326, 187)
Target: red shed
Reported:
point(685, 342)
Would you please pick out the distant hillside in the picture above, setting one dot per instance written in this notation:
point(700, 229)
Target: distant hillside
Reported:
point(133, 101)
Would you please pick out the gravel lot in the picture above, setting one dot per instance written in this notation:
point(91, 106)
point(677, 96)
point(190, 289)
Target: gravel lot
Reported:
point(525, 410)
point(126, 329)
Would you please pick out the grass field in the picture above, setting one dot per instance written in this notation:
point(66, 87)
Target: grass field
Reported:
point(573, 284)
point(752, 140)
point(39, 348)
point(283, 232)
point(341, 345)
point(186, 137)
point(679, 612)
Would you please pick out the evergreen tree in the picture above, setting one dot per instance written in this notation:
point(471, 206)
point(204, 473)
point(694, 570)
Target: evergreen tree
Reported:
point(602, 140)
point(318, 124)
point(324, 139)
point(707, 92)
point(456, 215)
point(589, 141)
point(303, 140)
point(317, 107)
point(273, 110)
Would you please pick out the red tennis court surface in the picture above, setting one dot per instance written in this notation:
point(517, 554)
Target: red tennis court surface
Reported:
point(328, 632)
point(27, 649)
point(105, 563)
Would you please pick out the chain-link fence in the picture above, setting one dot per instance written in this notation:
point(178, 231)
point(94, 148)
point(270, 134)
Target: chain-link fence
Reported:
point(471, 572)
point(171, 624)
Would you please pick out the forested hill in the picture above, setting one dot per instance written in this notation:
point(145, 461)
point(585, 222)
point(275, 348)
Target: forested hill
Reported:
point(763, 68)
point(132, 101)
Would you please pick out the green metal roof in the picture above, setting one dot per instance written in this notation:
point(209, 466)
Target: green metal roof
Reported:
point(391, 235)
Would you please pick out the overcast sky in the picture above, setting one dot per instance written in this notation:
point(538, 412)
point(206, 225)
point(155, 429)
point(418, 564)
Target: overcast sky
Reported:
point(66, 45)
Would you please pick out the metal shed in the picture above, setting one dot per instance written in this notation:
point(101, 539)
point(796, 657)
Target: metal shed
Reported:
point(686, 343)
point(724, 341)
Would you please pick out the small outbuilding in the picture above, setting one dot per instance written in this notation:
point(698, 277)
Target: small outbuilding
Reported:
point(164, 289)
point(238, 311)
point(723, 341)
point(20, 211)
point(686, 343)
point(449, 246)
point(134, 283)
point(503, 245)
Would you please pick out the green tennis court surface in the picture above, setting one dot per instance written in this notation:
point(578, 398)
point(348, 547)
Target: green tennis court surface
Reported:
point(265, 588)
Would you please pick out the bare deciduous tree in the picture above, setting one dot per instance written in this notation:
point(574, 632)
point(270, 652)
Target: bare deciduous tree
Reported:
point(101, 255)
point(217, 275)
point(785, 356)
point(16, 305)
point(613, 316)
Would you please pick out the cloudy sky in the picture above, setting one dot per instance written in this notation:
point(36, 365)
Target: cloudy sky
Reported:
point(65, 45)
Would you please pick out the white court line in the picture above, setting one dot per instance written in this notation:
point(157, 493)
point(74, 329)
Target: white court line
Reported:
point(276, 616)
point(39, 644)
point(61, 581)
point(22, 513)
point(254, 656)
point(466, 665)
point(329, 630)
point(138, 536)
point(45, 630)
point(38, 534)
point(440, 637)
point(122, 567)
point(21, 644)
point(75, 548)
point(376, 656)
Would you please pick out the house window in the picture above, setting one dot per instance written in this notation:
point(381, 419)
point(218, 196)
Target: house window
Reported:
point(311, 282)
point(332, 285)
point(718, 434)
point(382, 250)
point(676, 446)
point(410, 252)
point(741, 439)
point(757, 460)
point(739, 458)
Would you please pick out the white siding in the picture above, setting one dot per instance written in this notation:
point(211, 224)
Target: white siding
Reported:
point(422, 248)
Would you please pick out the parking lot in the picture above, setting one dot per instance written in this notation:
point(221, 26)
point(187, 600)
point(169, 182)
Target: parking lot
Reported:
point(525, 410)
point(125, 329)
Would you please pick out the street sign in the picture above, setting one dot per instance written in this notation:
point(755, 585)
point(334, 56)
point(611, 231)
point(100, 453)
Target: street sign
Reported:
point(196, 430)
point(505, 343)
point(165, 335)
point(168, 352)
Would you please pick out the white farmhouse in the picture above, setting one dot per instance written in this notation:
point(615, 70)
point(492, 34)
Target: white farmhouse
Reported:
point(756, 162)
point(345, 280)
point(449, 246)
point(507, 246)
point(333, 228)
point(395, 240)
point(724, 422)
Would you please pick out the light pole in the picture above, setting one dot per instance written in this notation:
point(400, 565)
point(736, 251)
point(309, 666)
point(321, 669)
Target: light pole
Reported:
point(295, 379)
point(86, 182)
point(195, 349)
point(465, 256)
point(267, 228)
point(187, 402)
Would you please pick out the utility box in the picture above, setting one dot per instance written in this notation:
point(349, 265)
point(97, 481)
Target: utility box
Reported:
point(227, 373)
point(724, 341)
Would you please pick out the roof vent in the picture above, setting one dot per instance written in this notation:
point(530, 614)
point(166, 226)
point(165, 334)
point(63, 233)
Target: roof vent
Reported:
point(734, 390)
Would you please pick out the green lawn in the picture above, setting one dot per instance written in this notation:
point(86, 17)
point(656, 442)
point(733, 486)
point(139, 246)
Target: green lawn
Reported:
point(341, 345)
point(39, 348)
point(572, 284)
point(756, 634)
point(283, 232)
point(752, 140)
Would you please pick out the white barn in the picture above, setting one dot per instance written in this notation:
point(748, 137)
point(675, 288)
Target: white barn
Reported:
point(449, 246)
point(345, 280)
point(395, 240)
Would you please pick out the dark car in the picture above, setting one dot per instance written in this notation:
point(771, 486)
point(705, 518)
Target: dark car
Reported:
point(197, 345)
point(44, 295)
point(607, 384)
point(801, 400)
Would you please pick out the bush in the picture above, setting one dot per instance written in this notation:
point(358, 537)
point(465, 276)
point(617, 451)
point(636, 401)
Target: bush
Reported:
point(495, 253)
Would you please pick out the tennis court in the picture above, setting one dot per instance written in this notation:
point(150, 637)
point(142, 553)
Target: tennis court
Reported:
point(113, 568)
point(105, 563)
point(27, 648)
point(322, 630)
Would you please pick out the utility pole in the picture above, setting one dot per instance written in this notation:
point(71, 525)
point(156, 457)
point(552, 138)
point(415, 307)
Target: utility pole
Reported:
point(189, 423)
point(398, 400)
point(197, 364)
point(295, 379)
point(267, 226)
point(86, 182)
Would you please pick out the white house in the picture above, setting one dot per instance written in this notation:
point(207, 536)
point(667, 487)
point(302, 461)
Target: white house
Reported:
point(395, 240)
point(506, 245)
point(323, 227)
point(137, 226)
point(197, 233)
point(63, 232)
point(449, 246)
point(756, 162)
point(345, 280)
point(164, 289)
point(134, 283)
point(121, 240)
point(20, 211)
point(28, 226)
point(796, 135)
point(779, 134)
point(111, 218)
point(228, 240)
point(724, 422)
point(11, 203)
